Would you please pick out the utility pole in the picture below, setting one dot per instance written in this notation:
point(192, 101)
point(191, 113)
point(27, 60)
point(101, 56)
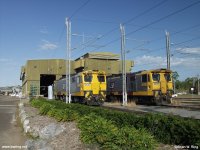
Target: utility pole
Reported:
point(168, 49)
point(68, 81)
point(198, 92)
point(123, 57)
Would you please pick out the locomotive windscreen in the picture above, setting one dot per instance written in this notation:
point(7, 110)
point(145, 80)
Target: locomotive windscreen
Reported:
point(88, 78)
point(156, 77)
point(101, 78)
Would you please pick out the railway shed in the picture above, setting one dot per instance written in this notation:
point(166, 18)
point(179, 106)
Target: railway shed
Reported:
point(37, 75)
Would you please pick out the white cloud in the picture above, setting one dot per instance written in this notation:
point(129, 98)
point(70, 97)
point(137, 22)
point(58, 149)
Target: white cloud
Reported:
point(160, 62)
point(195, 50)
point(188, 62)
point(46, 45)
point(150, 60)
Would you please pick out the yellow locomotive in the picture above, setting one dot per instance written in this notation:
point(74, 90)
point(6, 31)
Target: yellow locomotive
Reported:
point(151, 86)
point(86, 87)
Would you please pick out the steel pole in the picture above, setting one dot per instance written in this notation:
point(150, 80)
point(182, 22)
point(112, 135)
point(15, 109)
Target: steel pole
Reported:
point(67, 56)
point(69, 62)
point(168, 49)
point(198, 85)
point(68, 81)
point(124, 93)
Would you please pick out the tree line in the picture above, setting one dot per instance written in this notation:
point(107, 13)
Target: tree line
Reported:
point(186, 85)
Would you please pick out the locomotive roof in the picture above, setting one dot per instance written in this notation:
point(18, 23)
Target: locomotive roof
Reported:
point(155, 71)
point(93, 71)
point(85, 72)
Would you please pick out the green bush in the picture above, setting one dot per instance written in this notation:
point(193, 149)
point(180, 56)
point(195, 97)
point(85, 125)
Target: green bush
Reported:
point(45, 108)
point(131, 138)
point(95, 129)
point(165, 128)
point(37, 103)
point(58, 114)
point(62, 115)
point(51, 112)
point(70, 115)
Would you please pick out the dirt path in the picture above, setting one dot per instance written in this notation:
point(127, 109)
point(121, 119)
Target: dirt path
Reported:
point(11, 133)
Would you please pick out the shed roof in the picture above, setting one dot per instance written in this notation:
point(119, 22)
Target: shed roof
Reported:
point(101, 55)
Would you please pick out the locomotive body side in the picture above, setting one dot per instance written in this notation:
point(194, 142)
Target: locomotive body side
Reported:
point(152, 86)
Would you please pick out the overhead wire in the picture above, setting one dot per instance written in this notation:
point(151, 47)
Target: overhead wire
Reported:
point(154, 22)
point(163, 37)
point(175, 44)
point(167, 16)
point(130, 20)
point(72, 15)
point(78, 9)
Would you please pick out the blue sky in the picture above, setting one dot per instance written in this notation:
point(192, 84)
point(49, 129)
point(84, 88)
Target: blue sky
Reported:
point(35, 29)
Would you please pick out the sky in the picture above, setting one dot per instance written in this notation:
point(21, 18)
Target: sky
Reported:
point(35, 29)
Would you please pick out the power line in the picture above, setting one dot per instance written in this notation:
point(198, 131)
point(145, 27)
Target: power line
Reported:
point(96, 21)
point(167, 16)
point(178, 51)
point(77, 10)
point(130, 20)
point(146, 11)
point(73, 14)
point(162, 37)
point(178, 32)
point(139, 15)
point(180, 43)
point(156, 21)
point(190, 40)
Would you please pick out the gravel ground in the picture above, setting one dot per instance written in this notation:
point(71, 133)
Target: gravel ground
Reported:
point(67, 139)
point(157, 109)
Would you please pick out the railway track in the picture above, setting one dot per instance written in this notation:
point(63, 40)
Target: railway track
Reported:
point(185, 102)
point(183, 111)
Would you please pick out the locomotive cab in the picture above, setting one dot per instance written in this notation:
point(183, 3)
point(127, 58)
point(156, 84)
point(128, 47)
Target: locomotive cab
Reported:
point(162, 86)
point(94, 87)
point(87, 87)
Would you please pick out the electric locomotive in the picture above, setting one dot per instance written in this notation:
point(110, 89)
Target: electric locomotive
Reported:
point(148, 86)
point(87, 87)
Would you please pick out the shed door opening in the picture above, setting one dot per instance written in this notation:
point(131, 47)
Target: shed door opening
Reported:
point(45, 81)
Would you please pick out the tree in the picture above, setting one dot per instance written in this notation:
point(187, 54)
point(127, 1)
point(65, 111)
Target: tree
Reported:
point(175, 76)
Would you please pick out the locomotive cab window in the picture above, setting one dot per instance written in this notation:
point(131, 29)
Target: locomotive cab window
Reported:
point(145, 78)
point(167, 77)
point(101, 78)
point(156, 77)
point(88, 78)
